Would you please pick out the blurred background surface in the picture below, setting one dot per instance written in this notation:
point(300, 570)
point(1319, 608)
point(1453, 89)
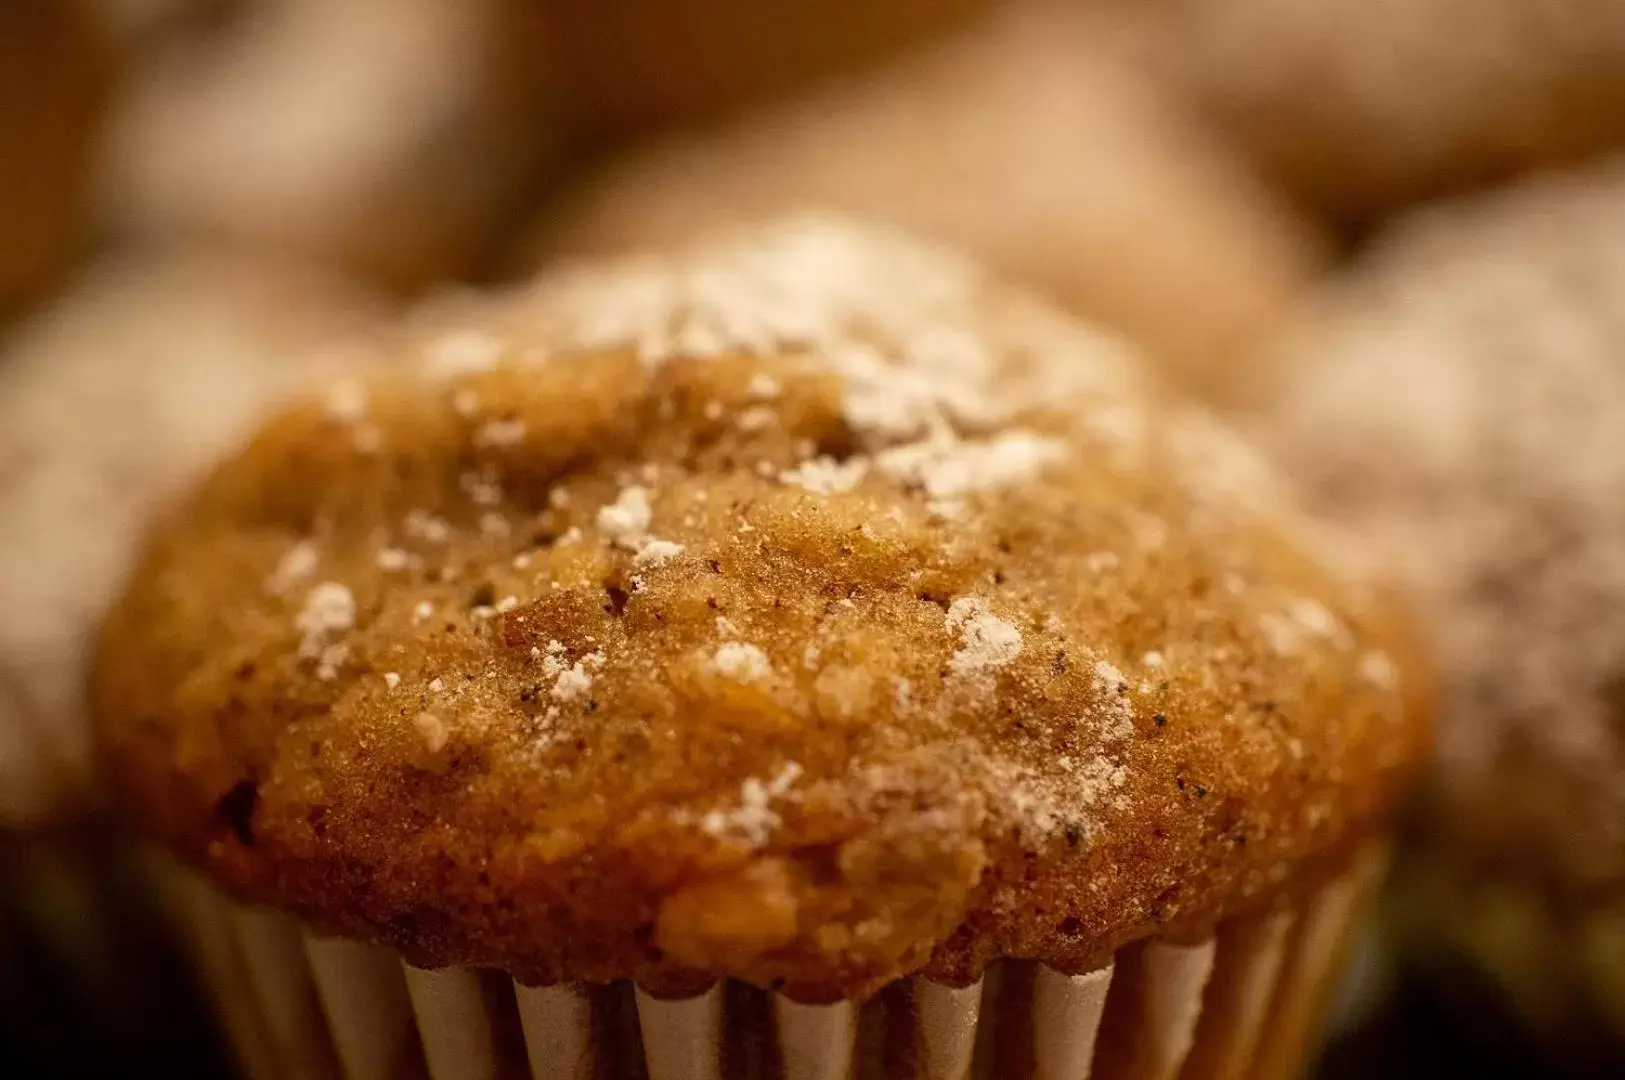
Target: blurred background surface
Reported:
point(204, 202)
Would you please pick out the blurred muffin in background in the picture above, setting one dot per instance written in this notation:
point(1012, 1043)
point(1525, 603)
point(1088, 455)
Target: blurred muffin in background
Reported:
point(389, 139)
point(1460, 397)
point(55, 73)
point(121, 390)
point(111, 398)
point(1361, 106)
point(632, 65)
point(1028, 141)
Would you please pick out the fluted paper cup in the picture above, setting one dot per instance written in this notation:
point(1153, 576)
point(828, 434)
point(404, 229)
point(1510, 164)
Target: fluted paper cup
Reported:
point(1242, 1003)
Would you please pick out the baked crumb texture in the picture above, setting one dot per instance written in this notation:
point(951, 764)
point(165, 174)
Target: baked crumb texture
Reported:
point(805, 609)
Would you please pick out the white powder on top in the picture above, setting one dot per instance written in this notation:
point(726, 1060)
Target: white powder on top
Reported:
point(328, 612)
point(948, 468)
point(655, 552)
point(626, 520)
point(570, 681)
point(462, 352)
point(330, 659)
point(1378, 670)
point(759, 418)
point(481, 487)
point(1313, 617)
point(499, 433)
point(1112, 686)
point(422, 525)
point(742, 662)
point(755, 818)
point(920, 338)
point(826, 476)
point(571, 684)
point(392, 559)
point(297, 564)
point(1288, 632)
point(432, 730)
point(988, 642)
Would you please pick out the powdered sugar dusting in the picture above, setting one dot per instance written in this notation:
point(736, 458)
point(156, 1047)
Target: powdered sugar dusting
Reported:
point(742, 662)
point(626, 520)
point(329, 612)
point(461, 352)
point(921, 339)
point(575, 681)
point(755, 819)
point(297, 564)
point(988, 642)
point(949, 469)
point(826, 476)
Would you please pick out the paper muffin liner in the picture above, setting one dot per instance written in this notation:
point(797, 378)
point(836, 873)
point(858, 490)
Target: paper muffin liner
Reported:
point(1245, 1002)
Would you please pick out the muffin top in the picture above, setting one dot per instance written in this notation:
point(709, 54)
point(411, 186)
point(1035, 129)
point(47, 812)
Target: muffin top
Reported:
point(1460, 398)
point(112, 400)
point(1363, 106)
point(804, 607)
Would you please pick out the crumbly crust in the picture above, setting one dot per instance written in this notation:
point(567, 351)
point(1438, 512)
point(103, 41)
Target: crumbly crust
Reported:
point(805, 609)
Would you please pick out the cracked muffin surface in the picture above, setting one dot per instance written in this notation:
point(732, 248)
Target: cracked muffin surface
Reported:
point(804, 607)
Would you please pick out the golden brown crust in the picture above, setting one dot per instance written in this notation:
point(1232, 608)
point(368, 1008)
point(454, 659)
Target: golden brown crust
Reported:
point(863, 616)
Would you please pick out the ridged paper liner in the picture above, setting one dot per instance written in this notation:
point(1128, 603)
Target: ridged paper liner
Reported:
point(1244, 1003)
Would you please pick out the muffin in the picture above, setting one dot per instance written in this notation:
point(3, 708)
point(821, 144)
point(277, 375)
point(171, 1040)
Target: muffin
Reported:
point(1361, 108)
point(631, 66)
point(804, 629)
point(1030, 141)
point(110, 400)
point(55, 71)
point(389, 140)
point(1459, 397)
